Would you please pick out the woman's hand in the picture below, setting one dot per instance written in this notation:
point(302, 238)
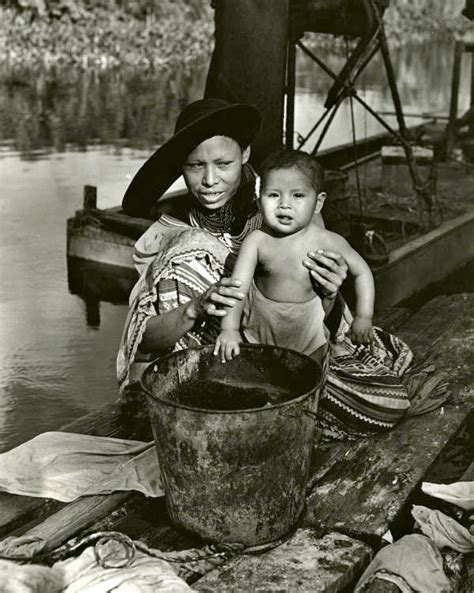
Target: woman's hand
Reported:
point(328, 271)
point(217, 298)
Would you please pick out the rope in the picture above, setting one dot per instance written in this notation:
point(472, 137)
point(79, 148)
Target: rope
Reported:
point(190, 562)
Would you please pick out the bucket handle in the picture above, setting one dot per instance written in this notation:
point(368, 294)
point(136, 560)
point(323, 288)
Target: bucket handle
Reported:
point(303, 412)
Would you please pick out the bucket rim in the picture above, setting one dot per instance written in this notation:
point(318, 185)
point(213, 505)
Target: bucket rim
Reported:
point(209, 347)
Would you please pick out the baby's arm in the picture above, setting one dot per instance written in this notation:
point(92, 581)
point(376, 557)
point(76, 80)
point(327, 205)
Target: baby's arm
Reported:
point(229, 338)
point(361, 330)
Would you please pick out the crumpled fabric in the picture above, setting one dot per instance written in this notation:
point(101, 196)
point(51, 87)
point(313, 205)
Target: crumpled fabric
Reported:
point(21, 547)
point(443, 530)
point(65, 466)
point(459, 493)
point(17, 578)
point(413, 563)
point(144, 575)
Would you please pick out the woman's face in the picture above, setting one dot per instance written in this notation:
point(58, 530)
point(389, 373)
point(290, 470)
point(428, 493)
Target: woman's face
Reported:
point(212, 171)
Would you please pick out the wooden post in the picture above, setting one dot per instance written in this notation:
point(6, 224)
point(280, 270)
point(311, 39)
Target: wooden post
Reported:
point(290, 94)
point(453, 106)
point(471, 125)
point(249, 63)
point(92, 311)
point(90, 197)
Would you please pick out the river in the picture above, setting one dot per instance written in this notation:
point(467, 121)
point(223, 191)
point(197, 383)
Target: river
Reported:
point(61, 129)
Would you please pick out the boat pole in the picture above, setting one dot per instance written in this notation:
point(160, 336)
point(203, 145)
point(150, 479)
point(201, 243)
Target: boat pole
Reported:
point(392, 82)
point(90, 197)
point(422, 190)
point(290, 93)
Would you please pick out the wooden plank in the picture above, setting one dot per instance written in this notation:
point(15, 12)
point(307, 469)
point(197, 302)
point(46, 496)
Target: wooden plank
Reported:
point(441, 333)
point(146, 519)
point(133, 226)
point(342, 156)
point(95, 282)
point(369, 480)
point(74, 517)
point(392, 155)
point(391, 318)
point(368, 484)
point(424, 260)
point(303, 563)
point(16, 511)
point(126, 419)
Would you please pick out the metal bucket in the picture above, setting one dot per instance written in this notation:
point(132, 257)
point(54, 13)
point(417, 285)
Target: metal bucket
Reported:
point(234, 440)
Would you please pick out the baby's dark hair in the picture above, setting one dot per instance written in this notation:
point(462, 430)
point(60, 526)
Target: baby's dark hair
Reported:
point(285, 159)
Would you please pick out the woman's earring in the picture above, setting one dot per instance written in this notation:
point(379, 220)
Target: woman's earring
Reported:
point(258, 184)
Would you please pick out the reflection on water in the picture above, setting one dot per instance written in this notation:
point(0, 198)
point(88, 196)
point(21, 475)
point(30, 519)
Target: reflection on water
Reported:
point(62, 129)
point(54, 108)
point(54, 366)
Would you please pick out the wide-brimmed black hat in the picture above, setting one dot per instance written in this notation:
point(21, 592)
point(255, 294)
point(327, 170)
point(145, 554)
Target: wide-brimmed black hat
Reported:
point(198, 121)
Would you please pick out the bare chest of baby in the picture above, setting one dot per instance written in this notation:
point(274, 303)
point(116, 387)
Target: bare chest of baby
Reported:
point(280, 274)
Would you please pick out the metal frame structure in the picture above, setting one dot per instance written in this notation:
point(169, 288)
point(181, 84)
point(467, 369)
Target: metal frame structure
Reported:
point(344, 87)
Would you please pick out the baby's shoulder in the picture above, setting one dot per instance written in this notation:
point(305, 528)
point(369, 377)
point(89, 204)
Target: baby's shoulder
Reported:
point(256, 235)
point(255, 238)
point(327, 239)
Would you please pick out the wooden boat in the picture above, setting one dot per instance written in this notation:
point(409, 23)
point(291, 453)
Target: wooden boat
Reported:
point(100, 242)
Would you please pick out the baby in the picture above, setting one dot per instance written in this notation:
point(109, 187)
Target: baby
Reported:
point(282, 307)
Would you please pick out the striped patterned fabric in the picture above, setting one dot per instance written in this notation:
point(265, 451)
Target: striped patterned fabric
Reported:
point(364, 388)
point(364, 391)
point(187, 262)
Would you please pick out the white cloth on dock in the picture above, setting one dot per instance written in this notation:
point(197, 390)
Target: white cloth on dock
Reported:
point(17, 578)
point(65, 466)
point(443, 530)
point(144, 575)
point(459, 493)
point(413, 563)
point(84, 575)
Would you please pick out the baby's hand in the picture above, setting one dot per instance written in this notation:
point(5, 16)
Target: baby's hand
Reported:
point(361, 330)
point(227, 344)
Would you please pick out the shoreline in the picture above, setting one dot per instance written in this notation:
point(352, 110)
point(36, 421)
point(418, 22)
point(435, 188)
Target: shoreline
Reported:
point(106, 39)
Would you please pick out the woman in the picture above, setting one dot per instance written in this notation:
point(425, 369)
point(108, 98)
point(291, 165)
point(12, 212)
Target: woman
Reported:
point(185, 261)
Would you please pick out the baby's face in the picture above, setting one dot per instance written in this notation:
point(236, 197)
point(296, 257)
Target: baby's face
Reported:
point(288, 200)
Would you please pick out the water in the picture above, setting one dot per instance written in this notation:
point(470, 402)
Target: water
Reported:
point(61, 130)
point(423, 78)
point(219, 395)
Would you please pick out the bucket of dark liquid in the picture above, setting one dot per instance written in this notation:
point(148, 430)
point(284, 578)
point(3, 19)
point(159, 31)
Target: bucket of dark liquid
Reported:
point(234, 440)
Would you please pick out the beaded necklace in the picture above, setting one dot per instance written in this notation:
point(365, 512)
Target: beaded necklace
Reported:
point(216, 221)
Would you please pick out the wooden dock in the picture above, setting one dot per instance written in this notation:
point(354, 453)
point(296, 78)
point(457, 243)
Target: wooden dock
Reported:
point(357, 489)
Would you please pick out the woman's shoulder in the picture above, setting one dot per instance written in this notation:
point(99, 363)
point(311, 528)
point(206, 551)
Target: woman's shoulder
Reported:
point(176, 206)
